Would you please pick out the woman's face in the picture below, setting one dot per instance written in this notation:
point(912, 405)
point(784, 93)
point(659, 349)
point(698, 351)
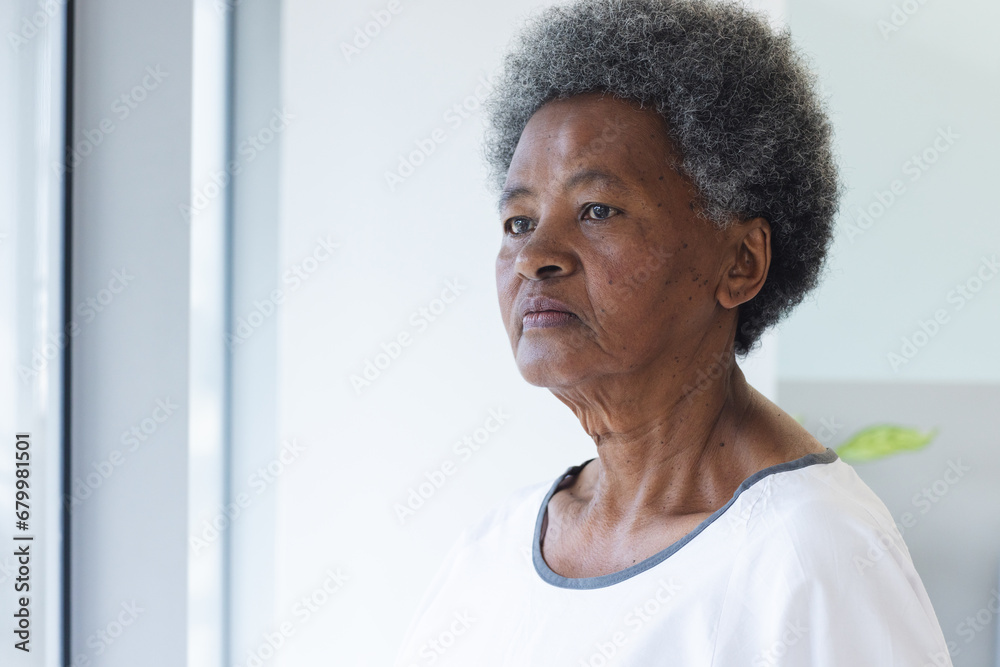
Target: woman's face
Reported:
point(597, 222)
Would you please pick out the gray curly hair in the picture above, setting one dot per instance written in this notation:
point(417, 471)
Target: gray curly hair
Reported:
point(739, 103)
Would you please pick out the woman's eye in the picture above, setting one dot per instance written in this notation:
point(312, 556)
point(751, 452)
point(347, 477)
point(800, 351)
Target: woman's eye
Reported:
point(600, 211)
point(518, 226)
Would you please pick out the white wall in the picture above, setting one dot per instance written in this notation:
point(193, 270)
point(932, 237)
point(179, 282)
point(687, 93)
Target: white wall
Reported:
point(892, 91)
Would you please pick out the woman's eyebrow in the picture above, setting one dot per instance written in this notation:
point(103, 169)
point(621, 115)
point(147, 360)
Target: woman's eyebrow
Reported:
point(582, 177)
point(512, 193)
point(588, 176)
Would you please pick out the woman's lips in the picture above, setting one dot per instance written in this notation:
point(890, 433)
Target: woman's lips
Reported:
point(547, 318)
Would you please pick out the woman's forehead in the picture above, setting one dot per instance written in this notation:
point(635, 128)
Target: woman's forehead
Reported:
point(592, 133)
point(590, 116)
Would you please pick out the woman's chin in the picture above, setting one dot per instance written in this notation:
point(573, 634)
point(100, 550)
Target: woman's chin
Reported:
point(548, 373)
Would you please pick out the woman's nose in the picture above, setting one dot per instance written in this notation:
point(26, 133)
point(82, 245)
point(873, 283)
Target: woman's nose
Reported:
point(548, 252)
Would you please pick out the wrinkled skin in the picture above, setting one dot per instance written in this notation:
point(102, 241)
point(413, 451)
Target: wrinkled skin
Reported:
point(596, 217)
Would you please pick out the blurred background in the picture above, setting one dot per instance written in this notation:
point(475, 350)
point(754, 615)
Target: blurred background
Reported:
point(250, 325)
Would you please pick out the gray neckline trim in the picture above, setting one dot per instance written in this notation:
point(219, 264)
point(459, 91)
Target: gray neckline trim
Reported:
point(601, 581)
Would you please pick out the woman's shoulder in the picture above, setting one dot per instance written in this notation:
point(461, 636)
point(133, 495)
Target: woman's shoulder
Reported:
point(822, 512)
point(821, 482)
point(807, 487)
point(822, 555)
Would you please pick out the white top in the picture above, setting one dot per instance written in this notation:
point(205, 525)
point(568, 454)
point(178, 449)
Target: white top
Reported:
point(804, 566)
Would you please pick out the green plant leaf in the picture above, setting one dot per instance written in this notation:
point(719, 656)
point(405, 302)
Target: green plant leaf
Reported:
point(877, 442)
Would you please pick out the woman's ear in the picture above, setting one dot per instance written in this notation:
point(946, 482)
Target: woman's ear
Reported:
point(745, 263)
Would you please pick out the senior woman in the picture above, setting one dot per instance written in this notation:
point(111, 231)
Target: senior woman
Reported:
point(667, 193)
